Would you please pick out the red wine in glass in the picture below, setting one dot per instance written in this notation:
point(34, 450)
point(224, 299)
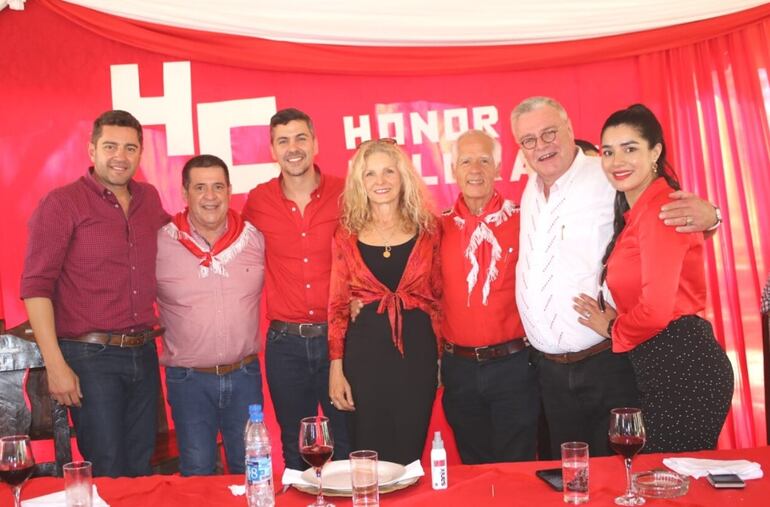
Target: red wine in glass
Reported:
point(316, 446)
point(625, 445)
point(14, 476)
point(317, 455)
point(627, 436)
point(16, 463)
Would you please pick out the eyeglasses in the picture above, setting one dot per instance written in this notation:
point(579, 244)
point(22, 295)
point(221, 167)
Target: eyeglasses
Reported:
point(530, 142)
point(386, 140)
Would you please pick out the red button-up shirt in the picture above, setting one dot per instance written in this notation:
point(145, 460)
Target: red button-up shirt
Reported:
point(297, 247)
point(655, 274)
point(96, 265)
point(468, 320)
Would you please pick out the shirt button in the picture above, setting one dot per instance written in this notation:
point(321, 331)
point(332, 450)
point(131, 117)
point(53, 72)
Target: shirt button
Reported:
point(293, 208)
point(311, 312)
point(303, 234)
point(133, 267)
point(133, 291)
point(136, 314)
point(305, 259)
point(117, 206)
point(307, 286)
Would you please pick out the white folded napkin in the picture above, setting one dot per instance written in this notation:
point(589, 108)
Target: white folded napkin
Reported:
point(695, 467)
point(292, 477)
point(59, 499)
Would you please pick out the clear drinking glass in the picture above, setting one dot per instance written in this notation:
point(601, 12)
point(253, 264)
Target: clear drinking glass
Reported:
point(363, 478)
point(78, 483)
point(16, 463)
point(316, 446)
point(574, 470)
point(627, 438)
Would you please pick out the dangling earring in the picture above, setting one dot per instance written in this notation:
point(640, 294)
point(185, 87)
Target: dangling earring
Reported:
point(655, 167)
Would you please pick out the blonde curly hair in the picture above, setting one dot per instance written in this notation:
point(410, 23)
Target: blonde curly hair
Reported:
point(415, 207)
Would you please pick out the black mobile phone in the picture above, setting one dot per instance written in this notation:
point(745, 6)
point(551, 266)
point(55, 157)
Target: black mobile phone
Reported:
point(721, 481)
point(553, 477)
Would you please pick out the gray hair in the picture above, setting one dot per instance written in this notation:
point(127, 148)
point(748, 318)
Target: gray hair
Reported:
point(497, 149)
point(532, 103)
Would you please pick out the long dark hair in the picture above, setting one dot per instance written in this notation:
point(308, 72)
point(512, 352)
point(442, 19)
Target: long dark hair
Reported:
point(640, 118)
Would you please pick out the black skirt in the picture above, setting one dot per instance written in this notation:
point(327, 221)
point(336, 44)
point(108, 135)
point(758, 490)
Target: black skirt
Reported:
point(686, 385)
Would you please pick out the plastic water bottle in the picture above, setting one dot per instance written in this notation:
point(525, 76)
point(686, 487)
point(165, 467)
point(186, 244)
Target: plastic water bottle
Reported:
point(259, 465)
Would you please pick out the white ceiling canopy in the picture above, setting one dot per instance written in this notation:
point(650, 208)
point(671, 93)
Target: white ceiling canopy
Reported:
point(421, 22)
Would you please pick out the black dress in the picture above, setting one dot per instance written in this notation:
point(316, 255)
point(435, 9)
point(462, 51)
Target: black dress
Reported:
point(393, 395)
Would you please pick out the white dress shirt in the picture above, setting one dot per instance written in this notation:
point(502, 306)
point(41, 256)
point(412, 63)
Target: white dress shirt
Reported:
point(562, 242)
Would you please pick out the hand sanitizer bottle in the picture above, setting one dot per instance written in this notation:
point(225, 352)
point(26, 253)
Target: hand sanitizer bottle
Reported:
point(438, 471)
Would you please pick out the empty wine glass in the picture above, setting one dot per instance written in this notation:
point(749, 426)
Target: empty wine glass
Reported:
point(16, 463)
point(316, 446)
point(627, 438)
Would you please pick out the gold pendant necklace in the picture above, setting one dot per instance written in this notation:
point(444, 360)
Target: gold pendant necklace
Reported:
point(386, 252)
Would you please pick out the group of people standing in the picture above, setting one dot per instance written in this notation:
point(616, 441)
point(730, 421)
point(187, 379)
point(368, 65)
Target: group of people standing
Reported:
point(583, 298)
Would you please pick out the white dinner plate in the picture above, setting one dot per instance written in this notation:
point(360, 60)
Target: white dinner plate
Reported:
point(336, 474)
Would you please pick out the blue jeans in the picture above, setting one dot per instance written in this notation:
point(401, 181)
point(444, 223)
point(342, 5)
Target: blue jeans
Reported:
point(298, 378)
point(204, 404)
point(117, 421)
point(492, 407)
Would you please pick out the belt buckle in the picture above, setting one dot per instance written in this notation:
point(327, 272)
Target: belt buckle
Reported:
point(216, 370)
point(122, 340)
point(480, 349)
point(302, 326)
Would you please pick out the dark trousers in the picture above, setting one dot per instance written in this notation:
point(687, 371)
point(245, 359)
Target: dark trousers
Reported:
point(297, 371)
point(492, 407)
point(578, 397)
point(204, 404)
point(117, 421)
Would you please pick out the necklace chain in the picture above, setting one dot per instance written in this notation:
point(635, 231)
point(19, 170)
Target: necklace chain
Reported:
point(386, 252)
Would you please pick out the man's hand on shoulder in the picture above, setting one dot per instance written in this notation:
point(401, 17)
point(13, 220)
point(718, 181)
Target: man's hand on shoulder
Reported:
point(688, 212)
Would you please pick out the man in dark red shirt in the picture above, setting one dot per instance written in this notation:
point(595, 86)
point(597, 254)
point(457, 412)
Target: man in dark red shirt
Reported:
point(89, 287)
point(297, 213)
point(490, 390)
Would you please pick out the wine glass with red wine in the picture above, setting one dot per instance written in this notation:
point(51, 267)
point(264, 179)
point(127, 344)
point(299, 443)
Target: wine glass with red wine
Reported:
point(316, 446)
point(627, 438)
point(16, 463)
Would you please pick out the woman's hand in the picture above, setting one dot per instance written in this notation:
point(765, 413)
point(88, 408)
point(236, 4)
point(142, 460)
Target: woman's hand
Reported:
point(592, 316)
point(339, 389)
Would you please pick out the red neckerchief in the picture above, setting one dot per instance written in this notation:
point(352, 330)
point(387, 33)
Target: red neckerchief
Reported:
point(235, 225)
point(479, 244)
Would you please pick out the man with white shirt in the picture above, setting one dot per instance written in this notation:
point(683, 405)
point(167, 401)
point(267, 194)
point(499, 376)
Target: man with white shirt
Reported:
point(210, 269)
point(566, 222)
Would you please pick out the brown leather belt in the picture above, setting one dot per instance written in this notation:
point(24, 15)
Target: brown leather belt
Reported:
point(224, 369)
point(308, 330)
point(119, 339)
point(574, 357)
point(488, 352)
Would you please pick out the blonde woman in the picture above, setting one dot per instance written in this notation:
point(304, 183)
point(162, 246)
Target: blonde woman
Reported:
point(385, 254)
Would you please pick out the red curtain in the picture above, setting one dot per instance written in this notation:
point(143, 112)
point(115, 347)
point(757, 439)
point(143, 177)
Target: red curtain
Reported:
point(262, 54)
point(715, 97)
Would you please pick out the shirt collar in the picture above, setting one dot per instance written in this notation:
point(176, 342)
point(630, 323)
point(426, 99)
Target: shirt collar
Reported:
point(92, 183)
point(316, 193)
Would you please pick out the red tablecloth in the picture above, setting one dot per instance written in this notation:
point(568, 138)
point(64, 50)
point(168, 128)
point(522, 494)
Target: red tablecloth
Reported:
point(514, 484)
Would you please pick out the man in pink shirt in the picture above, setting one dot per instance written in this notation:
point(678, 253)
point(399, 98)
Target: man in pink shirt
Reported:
point(210, 270)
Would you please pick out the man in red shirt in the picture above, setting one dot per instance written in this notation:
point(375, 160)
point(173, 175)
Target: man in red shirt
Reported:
point(490, 389)
point(297, 213)
point(89, 287)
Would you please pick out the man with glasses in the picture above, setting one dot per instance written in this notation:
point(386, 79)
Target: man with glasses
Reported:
point(297, 213)
point(566, 222)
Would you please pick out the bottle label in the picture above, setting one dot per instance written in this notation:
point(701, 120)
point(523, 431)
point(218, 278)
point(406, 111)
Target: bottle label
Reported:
point(259, 469)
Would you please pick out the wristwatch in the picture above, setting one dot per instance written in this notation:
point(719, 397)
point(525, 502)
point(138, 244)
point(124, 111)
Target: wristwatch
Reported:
point(718, 213)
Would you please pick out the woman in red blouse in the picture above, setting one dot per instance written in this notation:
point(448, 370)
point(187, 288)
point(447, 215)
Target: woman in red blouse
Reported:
point(656, 277)
point(385, 254)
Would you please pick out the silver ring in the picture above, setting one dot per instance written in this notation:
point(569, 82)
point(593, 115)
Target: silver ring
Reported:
point(587, 315)
point(688, 220)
